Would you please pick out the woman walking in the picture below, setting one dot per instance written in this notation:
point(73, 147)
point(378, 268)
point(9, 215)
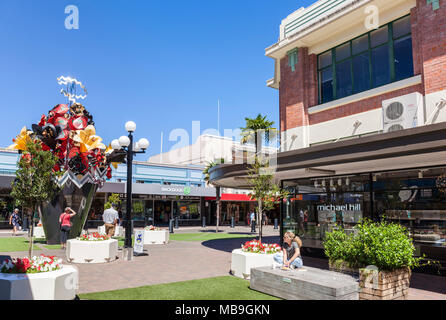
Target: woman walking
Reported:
point(65, 225)
point(14, 221)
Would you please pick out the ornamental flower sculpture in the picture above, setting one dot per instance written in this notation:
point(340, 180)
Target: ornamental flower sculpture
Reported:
point(69, 133)
point(256, 246)
point(82, 161)
point(34, 265)
point(95, 236)
point(152, 228)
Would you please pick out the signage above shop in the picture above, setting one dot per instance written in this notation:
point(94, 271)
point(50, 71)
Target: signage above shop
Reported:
point(337, 207)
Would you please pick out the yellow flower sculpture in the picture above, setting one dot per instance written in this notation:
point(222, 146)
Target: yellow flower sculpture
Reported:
point(21, 140)
point(108, 151)
point(88, 140)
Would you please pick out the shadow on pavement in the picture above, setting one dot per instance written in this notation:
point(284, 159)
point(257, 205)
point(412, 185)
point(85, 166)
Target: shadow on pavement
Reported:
point(228, 245)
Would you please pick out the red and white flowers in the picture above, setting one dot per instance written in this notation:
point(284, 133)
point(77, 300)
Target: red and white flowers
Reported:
point(95, 236)
point(35, 265)
point(152, 228)
point(255, 246)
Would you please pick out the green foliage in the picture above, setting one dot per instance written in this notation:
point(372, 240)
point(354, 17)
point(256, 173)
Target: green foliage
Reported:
point(263, 188)
point(114, 198)
point(35, 177)
point(257, 127)
point(382, 244)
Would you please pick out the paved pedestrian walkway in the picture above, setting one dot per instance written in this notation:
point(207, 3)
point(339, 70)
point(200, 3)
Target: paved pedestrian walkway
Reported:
point(182, 261)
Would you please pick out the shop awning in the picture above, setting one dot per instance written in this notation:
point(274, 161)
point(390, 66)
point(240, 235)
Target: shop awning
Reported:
point(231, 197)
point(416, 148)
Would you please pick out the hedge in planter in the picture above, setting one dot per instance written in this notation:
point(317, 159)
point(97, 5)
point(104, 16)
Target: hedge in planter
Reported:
point(384, 248)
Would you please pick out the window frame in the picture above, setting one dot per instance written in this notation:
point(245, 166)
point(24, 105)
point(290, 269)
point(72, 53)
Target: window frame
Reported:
point(390, 43)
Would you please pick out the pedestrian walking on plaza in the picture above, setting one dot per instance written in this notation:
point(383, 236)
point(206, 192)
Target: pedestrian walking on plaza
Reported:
point(65, 225)
point(14, 220)
point(110, 218)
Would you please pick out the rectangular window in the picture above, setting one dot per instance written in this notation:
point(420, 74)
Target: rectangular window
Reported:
point(326, 85)
point(380, 66)
point(361, 72)
point(374, 59)
point(344, 79)
point(292, 59)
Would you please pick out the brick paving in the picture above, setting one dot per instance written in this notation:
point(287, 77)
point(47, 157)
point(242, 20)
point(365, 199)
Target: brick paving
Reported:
point(182, 261)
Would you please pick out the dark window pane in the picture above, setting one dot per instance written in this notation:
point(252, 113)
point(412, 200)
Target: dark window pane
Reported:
point(361, 72)
point(343, 52)
point(360, 44)
point(403, 58)
point(343, 79)
point(379, 36)
point(380, 66)
point(401, 27)
point(326, 85)
point(325, 60)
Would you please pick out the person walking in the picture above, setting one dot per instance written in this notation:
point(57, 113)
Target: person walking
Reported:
point(252, 219)
point(14, 220)
point(110, 218)
point(65, 225)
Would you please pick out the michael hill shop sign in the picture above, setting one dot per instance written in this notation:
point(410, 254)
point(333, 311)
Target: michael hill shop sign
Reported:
point(337, 207)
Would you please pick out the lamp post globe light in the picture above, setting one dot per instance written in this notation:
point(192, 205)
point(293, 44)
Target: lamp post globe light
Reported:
point(125, 143)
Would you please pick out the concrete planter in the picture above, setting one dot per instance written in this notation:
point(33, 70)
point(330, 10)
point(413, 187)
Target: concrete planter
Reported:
point(55, 285)
point(119, 231)
point(39, 232)
point(156, 237)
point(92, 251)
point(242, 262)
point(384, 285)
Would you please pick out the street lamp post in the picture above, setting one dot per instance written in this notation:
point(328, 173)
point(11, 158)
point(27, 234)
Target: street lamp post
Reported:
point(125, 143)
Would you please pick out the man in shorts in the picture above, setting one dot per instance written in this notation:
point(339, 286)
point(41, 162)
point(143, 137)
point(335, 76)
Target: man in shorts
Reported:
point(110, 218)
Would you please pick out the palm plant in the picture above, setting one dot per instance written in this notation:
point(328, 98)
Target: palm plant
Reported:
point(217, 188)
point(254, 129)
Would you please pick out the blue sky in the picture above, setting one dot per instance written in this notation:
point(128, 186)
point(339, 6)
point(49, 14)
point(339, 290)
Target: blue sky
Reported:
point(162, 64)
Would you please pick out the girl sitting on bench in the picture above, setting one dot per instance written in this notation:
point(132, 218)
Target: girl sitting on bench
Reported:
point(290, 256)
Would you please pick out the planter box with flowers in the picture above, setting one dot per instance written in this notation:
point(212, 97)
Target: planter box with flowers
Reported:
point(92, 248)
point(253, 254)
point(382, 253)
point(39, 278)
point(39, 233)
point(119, 231)
point(153, 235)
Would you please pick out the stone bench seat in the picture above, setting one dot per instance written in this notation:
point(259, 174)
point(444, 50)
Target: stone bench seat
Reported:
point(304, 284)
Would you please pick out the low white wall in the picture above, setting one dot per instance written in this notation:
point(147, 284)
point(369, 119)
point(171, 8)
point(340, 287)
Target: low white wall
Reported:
point(56, 285)
point(79, 251)
point(156, 237)
point(242, 262)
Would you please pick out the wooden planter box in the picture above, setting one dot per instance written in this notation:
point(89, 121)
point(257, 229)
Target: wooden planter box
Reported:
point(342, 267)
point(384, 285)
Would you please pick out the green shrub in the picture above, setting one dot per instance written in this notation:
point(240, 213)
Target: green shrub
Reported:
point(384, 245)
point(114, 198)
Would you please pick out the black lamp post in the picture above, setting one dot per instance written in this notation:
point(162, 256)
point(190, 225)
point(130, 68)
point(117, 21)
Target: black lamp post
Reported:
point(125, 143)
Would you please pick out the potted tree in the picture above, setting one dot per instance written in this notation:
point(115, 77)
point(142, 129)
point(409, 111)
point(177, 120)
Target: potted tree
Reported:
point(382, 253)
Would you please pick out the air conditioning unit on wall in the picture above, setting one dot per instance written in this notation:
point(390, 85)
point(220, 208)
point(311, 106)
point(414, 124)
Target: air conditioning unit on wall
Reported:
point(403, 112)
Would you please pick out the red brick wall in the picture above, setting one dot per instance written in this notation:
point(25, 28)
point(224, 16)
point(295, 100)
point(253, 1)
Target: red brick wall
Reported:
point(299, 89)
point(361, 106)
point(429, 29)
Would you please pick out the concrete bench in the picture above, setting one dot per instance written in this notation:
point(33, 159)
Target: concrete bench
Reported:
point(304, 284)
